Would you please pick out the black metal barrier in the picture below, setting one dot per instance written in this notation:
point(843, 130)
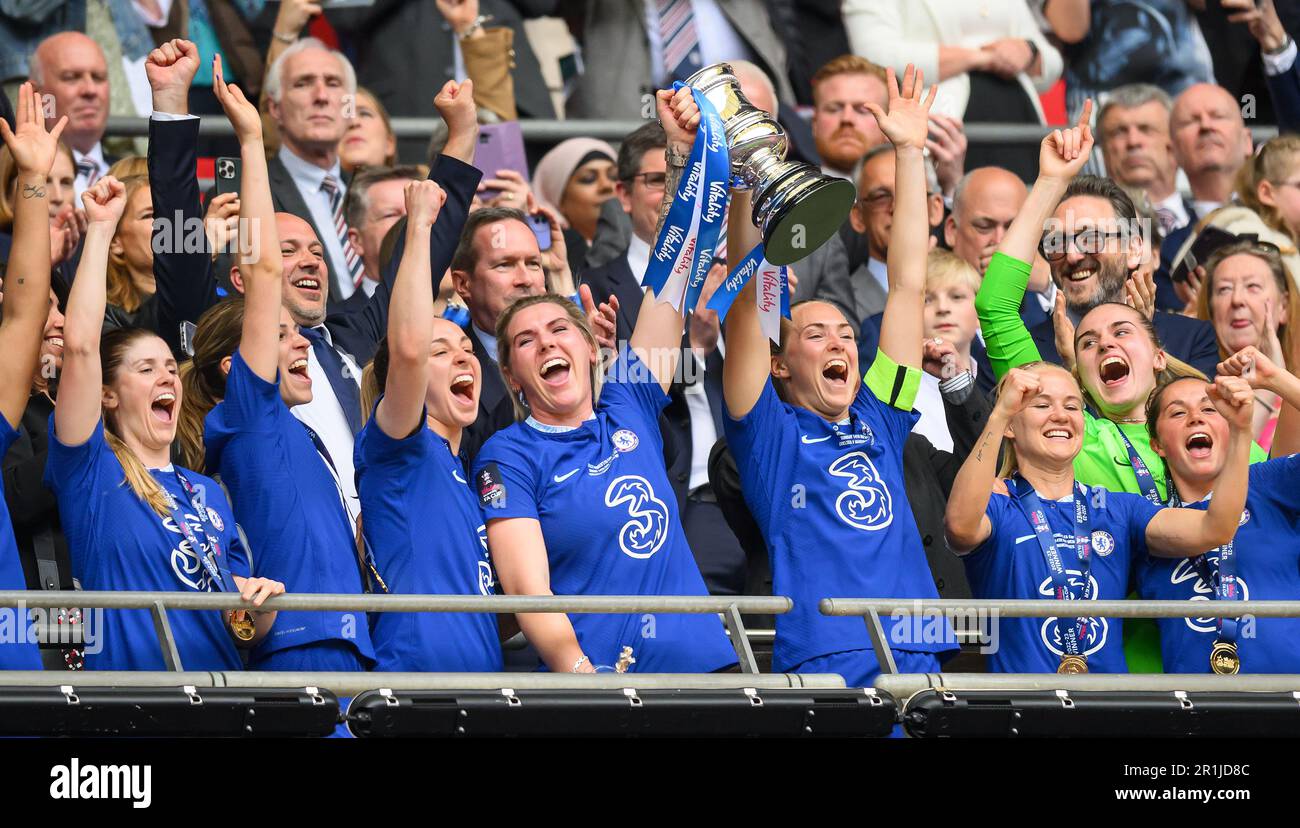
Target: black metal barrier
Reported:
point(167, 711)
point(943, 713)
point(623, 713)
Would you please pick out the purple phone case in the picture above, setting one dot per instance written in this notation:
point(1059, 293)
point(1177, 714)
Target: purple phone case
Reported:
point(500, 147)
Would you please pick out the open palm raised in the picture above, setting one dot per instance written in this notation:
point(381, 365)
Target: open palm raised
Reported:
point(33, 147)
point(907, 123)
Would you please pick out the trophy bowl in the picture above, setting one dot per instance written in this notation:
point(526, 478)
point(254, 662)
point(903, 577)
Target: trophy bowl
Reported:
point(796, 206)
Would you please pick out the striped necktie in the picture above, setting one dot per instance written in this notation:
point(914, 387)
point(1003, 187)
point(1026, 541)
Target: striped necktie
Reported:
point(680, 40)
point(355, 271)
point(1166, 219)
point(88, 170)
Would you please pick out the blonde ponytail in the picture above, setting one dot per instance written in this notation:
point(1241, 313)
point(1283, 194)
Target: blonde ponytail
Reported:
point(137, 476)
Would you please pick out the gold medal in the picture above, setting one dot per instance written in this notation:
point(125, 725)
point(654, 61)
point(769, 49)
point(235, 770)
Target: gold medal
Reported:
point(625, 660)
point(242, 625)
point(1224, 659)
point(1072, 665)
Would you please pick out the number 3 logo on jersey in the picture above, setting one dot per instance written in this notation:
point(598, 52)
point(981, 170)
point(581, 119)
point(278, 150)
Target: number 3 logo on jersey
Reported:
point(866, 503)
point(641, 536)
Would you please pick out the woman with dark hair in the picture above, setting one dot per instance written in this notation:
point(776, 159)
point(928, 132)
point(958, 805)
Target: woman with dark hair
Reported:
point(1031, 531)
point(1261, 562)
point(167, 528)
point(408, 468)
point(25, 307)
point(574, 179)
point(281, 478)
point(819, 446)
point(576, 497)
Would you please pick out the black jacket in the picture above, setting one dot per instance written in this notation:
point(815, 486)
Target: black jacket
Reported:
point(928, 475)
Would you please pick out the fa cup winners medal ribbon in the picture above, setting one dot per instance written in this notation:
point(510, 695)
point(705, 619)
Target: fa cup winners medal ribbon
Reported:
point(1072, 636)
point(241, 622)
point(772, 295)
point(1222, 582)
point(683, 253)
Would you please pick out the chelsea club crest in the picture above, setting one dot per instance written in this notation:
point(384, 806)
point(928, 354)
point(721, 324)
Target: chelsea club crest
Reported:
point(625, 440)
point(1103, 543)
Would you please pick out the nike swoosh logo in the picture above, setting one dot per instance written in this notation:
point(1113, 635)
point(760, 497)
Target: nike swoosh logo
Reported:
point(456, 475)
point(560, 478)
point(815, 440)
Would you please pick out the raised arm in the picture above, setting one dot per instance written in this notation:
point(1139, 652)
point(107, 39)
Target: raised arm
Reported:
point(1060, 157)
point(657, 335)
point(81, 383)
point(183, 273)
point(27, 289)
point(966, 522)
point(748, 365)
point(1184, 532)
point(410, 321)
point(1264, 374)
point(260, 268)
point(907, 126)
point(519, 555)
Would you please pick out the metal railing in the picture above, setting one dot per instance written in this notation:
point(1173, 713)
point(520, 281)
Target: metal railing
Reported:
point(903, 686)
point(158, 603)
point(609, 130)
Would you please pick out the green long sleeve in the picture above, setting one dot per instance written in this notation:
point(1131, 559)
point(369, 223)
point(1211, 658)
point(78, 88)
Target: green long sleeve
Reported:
point(1006, 338)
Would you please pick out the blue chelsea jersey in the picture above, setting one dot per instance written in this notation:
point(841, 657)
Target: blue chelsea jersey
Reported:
point(426, 532)
point(1010, 564)
point(117, 541)
point(18, 651)
point(289, 504)
point(1267, 555)
point(830, 502)
point(610, 522)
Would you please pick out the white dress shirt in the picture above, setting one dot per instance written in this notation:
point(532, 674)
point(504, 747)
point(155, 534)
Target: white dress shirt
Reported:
point(325, 416)
point(309, 177)
point(487, 340)
point(96, 156)
point(638, 258)
point(880, 272)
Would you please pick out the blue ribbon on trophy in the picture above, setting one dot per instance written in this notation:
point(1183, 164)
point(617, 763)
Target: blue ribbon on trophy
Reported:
point(683, 253)
point(772, 293)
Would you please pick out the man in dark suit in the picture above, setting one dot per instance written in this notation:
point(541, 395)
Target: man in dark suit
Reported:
point(306, 90)
point(404, 49)
point(1092, 204)
point(692, 421)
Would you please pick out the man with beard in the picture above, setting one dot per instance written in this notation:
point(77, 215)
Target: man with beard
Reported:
point(843, 128)
point(1093, 245)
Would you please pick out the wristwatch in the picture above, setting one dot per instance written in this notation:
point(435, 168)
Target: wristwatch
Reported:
point(474, 27)
point(1033, 55)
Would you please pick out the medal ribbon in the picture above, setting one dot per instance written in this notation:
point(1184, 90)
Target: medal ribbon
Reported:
point(683, 253)
point(772, 295)
point(1223, 583)
point(1146, 481)
point(219, 575)
point(1027, 499)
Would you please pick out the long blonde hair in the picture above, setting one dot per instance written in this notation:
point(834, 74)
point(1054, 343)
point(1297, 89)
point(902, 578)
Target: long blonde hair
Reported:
point(112, 348)
point(505, 346)
point(122, 289)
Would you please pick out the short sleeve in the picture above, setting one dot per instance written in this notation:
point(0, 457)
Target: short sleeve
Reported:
point(629, 382)
point(1278, 481)
point(762, 442)
point(75, 468)
point(998, 512)
point(505, 480)
point(251, 404)
point(1139, 512)
point(375, 449)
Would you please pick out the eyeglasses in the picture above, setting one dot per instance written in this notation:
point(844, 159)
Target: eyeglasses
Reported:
point(653, 180)
point(878, 200)
point(1089, 242)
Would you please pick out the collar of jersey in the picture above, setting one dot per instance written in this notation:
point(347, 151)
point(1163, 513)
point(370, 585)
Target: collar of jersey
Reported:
point(554, 429)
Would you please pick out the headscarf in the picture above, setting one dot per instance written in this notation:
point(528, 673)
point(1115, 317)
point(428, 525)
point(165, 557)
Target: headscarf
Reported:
point(553, 172)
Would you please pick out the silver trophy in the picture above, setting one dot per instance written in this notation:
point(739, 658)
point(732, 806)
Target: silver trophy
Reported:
point(796, 206)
